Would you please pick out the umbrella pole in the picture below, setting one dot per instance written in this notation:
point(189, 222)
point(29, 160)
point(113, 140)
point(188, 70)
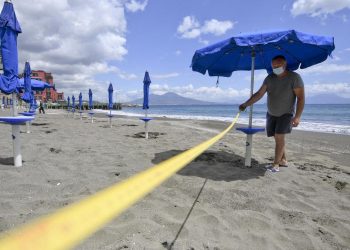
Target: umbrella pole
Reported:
point(146, 125)
point(17, 157)
point(110, 117)
point(249, 142)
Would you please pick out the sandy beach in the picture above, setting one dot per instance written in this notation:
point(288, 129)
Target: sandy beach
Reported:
point(305, 206)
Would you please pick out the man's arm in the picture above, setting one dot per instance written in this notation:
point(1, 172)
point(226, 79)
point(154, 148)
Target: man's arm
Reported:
point(300, 93)
point(254, 98)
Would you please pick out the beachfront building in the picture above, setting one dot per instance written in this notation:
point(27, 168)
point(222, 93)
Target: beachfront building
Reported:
point(48, 95)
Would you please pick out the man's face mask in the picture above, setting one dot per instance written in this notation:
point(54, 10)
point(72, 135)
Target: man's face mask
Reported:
point(278, 71)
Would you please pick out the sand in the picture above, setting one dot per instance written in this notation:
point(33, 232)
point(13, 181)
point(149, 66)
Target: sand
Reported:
point(213, 203)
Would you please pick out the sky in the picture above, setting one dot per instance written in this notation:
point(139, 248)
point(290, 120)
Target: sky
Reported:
point(88, 43)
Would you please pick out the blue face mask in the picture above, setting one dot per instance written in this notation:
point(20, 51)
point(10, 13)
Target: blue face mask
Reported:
point(278, 70)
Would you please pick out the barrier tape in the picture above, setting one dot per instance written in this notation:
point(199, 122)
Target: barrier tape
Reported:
point(68, 226)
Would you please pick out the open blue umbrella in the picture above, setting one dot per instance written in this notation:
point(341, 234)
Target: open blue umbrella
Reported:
point(27, 95)
point(91, 106)
point(36, 85)
point(255, 51)
point(146, 84)
point(9, 30)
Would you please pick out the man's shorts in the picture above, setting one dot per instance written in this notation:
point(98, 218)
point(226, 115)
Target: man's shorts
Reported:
point(278, 124)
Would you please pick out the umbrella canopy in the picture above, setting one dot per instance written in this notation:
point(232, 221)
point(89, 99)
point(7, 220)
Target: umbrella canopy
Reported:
point(300, 50)
point(90, 99)
point(9, 29)
point(35, 84)
point(110, 96)
point(146, 83)
point(80, 101)
point(73, 102)
point(27, 96)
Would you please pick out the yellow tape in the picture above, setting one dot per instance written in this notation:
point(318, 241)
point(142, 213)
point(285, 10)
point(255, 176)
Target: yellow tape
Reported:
point(68, 226)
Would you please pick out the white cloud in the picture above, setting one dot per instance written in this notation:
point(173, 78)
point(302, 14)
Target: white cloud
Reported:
point(164, 76)
point(216, 27)
point(70, 42)
point(347, 49)
point(191, 28)
point(316, 8)
point(134, 6)
point(178, 52)
point(340, 89)
point(326, 68)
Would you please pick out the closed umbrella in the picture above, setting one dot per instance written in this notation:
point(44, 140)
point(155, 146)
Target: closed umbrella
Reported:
point(146, 84)
point(73, 105)
point(9, 30)
point(255, 51)
point(27, 95)
point(68, 104)
point(110, 102)
point(27, 84)
point(91, 106)
point(80, 105)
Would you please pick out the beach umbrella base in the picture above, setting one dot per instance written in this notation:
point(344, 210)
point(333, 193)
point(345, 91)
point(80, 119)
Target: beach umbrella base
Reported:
point(92, 116)
point(248, 152)
point(146, 120)
point(15, 122)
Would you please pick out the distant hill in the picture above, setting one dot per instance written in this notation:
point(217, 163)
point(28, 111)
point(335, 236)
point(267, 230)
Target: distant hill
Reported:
point(170, 99)
point(327, 99)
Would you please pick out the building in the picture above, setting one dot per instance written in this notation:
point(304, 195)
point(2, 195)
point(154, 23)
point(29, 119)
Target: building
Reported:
point(48, 95)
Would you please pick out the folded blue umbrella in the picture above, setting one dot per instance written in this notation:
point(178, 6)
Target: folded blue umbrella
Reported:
point(9, 30)
point(146, 84)
point(90, 100)
point(73, 103)
point(80, 101)
point(301, 50)
point(110, 96)
point(68, 103)
point(27, 95)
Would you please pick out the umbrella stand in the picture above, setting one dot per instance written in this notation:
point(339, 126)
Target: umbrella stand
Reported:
point(110, 117)
point(250, 130)
point(146, 125)
point(248, 152)
point(17, 157)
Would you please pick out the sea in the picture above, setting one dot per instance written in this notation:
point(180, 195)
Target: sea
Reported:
point(327, 118)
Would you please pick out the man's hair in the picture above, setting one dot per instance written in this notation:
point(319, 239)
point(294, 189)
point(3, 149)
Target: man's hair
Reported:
point(279, 57)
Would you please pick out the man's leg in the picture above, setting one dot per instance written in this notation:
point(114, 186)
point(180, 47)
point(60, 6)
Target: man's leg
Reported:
point(279, 148)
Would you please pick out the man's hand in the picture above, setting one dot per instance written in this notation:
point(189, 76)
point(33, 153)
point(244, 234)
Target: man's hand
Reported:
point(242, 107)
point(295, 121)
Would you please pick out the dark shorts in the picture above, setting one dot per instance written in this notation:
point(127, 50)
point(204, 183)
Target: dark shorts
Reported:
point(278, 124)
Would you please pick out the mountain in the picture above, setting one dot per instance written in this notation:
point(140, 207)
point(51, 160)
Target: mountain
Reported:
point(327, 99)
point(170, 98)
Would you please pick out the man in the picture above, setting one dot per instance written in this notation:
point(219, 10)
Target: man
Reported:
point(283, 87)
